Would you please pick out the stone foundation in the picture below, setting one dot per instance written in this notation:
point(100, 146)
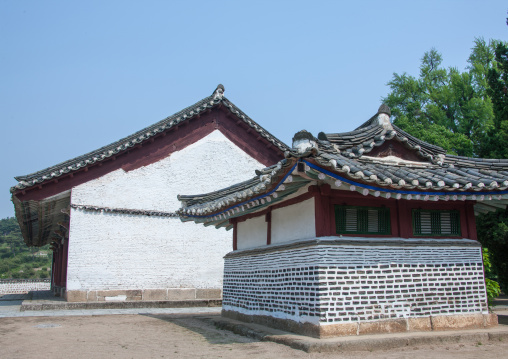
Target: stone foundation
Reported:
point(436, 323)
point(173, 294)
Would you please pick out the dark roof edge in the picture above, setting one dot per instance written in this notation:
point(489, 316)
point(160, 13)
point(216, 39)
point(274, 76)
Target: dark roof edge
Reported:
point(261, 176)
point(140, 136)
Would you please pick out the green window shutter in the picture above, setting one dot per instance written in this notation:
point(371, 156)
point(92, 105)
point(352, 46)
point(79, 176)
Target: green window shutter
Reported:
point(436, 223)
point(340, 219)
point(455, 223)
point(385, 221)
point(362, 220)
point(417, 223)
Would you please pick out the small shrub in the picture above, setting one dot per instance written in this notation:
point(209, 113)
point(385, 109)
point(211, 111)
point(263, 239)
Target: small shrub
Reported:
point(493, 289)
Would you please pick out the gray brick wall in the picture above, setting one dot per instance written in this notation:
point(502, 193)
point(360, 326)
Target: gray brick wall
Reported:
point(19, 286)
point(329, 284)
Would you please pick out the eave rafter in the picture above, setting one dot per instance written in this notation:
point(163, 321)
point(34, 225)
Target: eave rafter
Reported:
point(306, 171)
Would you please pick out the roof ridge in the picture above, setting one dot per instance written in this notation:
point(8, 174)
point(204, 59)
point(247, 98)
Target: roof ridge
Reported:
point(131, 137)
point(358, 130)
point(140, 136)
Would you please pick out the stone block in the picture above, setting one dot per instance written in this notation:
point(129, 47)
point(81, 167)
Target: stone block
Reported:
point(181, 293)
point(382, 327)
point(450, 322)
point(134, 294)
point(490, 320)
point(91, 296)
point(110, 293)
point(119, 294)
point(76, 296)
point(338, 330)
point(155, 294)
point(116, 298)
point(208, 293)
point(419, 324)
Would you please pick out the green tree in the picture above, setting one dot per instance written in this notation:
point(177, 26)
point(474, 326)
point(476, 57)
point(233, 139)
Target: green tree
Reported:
point(497, 79)
point(9, 225)
point(493, 234)
point(466, 113)
point(493, 289)
point(444, 106)
point(17, 260)
point(493, 227)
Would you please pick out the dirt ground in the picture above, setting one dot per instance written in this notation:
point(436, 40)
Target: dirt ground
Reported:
point(178, 336)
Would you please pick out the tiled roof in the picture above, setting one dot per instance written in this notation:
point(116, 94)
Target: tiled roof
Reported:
point(103, 153)
point(338, 160)
point(374, 133)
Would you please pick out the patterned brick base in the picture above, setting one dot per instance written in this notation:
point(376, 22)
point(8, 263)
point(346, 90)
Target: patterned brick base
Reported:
point(356, 286)
point(143, 295)
point(18, 286)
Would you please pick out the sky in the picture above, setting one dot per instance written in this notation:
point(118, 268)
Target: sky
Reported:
point(75, 76)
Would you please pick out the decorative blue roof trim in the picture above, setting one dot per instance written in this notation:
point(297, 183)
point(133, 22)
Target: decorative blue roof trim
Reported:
point(348, 181)
point(381, 189)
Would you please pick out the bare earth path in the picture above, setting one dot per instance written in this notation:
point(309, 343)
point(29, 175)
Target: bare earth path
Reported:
point(178, 336)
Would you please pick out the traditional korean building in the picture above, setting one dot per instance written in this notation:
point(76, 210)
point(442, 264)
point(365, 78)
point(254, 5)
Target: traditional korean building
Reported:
point(362, 232)
point(110, 214)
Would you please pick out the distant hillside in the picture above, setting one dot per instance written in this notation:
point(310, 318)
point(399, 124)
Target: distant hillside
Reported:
point(16, 259)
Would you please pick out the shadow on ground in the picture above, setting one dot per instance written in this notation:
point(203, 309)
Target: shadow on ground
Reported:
point(503, 319)
point(502, 300)
point(204, 326)
point(13, 297)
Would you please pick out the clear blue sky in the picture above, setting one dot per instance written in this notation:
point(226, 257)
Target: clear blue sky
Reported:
point(75, 76)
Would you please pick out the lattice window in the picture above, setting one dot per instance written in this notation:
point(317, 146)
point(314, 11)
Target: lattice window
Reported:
point(362, 220)
point(436, 223)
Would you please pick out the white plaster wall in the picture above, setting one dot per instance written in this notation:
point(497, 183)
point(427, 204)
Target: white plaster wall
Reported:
point(116, 251)
point(252, 233)
point(294, 222)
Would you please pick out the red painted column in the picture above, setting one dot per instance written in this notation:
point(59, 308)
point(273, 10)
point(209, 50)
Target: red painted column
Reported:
point(53, 269)
point(59, 264)
point(323, 211)
point(65, 254)
point(62, 258)
point(471, 220)
point(56, 273)
point(464, 227)
point(405, 221)
point(394, 221)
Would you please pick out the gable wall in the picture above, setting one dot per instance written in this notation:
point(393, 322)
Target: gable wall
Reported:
point(116, 251)
point(159, 147)
point(395, 148)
